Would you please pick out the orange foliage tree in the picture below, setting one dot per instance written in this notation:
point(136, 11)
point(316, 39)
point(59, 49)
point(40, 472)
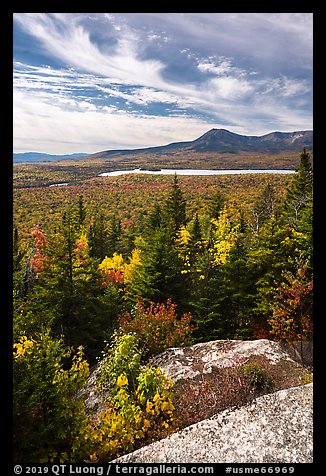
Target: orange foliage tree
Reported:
point(292, 316)
point(40, 244)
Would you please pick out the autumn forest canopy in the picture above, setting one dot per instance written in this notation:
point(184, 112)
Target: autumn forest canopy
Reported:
point(110, 271)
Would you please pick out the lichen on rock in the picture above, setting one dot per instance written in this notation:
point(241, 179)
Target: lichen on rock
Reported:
point(203, 358)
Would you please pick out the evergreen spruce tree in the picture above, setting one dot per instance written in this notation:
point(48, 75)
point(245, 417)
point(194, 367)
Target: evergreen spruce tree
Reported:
point(299, 193)
point(81, 210)
point(67, 296)
point(236, 288)
point(114, 236)
point(70, 227)
point(305, 227)
point(80, 308)
point(195, 244)
point(98, 237)
point(154, 218)
point(272, 253)
point(159, 278)
point(49, 414)
point(202, 298)
point(195, 230)
point(175, 207)
point(221, 293)
point(216, 203)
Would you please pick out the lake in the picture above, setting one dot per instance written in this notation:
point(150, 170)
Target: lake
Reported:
point(194, 172)
point(59, 184)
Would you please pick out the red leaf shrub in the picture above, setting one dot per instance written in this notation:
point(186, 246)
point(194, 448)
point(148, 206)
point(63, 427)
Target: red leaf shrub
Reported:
point(158, 327)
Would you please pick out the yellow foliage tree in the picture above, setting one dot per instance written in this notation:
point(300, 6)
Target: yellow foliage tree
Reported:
point(182, 246)
point(134, 261)
point(109, 267)
point(224, 236)
point(116, 262)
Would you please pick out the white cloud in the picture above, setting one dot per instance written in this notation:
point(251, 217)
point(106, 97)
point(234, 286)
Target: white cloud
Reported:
point(229, 82)
point(56, 121)
point(228, 87)
point(70, 42)
point(286, 87)
point(68, 126)
point(60, 129)
point(54, 81)
point(149, 95)
point(209, 66)
point(112, 58)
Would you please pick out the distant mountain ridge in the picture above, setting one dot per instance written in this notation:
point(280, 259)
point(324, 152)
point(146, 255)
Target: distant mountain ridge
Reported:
point(224, 141)
point(40, 157)
point(219, 141)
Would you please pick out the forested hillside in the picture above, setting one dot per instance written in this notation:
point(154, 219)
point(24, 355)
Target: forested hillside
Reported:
point(115, 270)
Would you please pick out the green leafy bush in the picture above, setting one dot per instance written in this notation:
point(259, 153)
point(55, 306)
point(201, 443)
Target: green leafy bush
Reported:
point(122, 356)
point(256, 376)
point(140, 406)
point(49, 417)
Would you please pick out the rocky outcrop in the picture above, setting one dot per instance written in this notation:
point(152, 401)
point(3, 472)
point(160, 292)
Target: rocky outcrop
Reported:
point(93, 396)
point(300, 351)
point(274, 428)
point(204, 358)
point(223, 414)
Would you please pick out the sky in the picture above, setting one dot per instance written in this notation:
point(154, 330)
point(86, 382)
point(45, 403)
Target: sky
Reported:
point(87, 82)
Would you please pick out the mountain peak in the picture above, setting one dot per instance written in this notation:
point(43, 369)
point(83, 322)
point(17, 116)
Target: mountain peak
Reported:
point(219, 132)
point(221, 141)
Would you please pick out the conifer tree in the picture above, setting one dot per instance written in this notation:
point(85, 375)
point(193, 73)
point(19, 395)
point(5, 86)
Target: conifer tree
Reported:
point(79, 306)
point(195, 230)
point(300, 191)
point(216, 203)
point(220, 298)
point(67, 296)
point(195, 242)
point(158, 277)
point(81, 210)
point(69, 231)
point(98, 237)
point(49, 415)
point(114, 235)
point(175, 207)
point(154, 219)
point(202, 298)
point(235, 292)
